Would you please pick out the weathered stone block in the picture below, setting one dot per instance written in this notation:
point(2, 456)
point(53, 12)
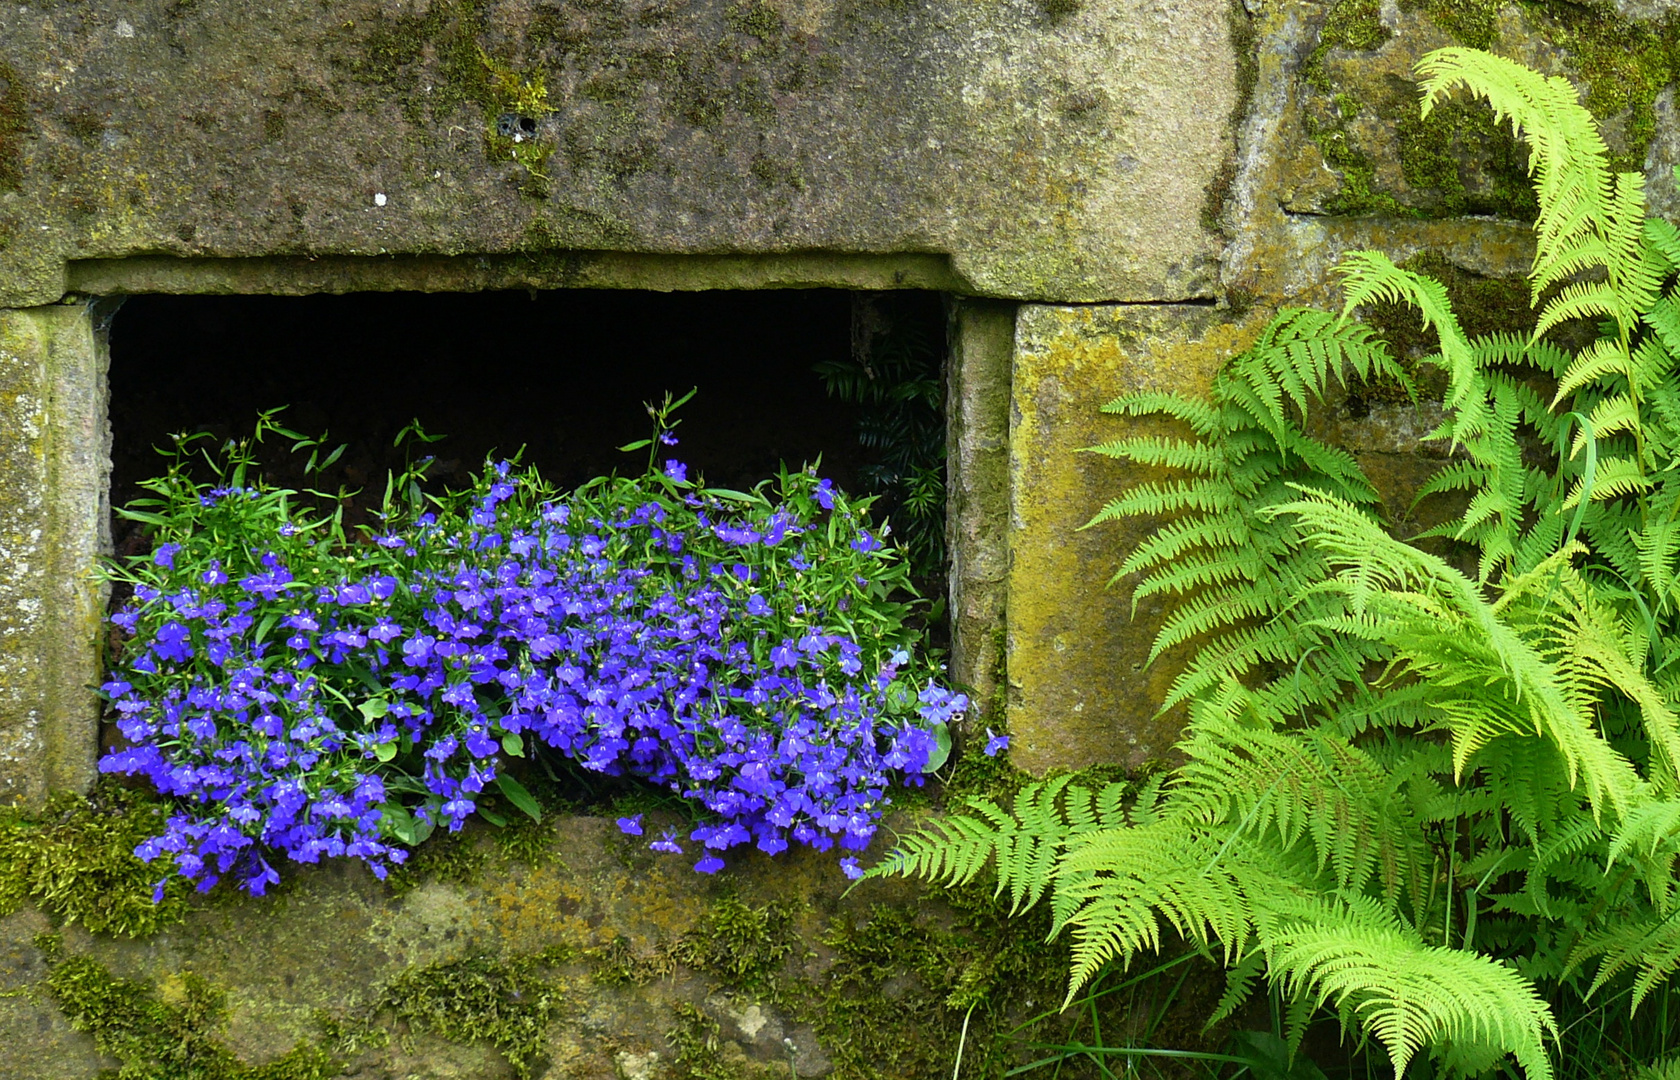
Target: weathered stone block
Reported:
point(1080, 693)
point(982, 341)
point(1048, 153)
point(54, 479)
point(635, 949)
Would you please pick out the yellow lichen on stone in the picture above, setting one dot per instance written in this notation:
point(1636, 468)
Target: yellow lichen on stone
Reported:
point(1080, 693)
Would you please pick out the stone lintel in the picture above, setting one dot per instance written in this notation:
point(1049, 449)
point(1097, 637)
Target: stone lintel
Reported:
point(297, 275)
point(1051, 155)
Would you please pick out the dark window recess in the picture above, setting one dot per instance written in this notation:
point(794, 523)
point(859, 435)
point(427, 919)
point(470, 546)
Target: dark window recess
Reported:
point(562, 375)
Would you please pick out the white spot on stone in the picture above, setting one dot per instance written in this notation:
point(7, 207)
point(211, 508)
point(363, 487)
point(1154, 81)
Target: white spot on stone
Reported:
point(379, 198)
point(636, 1066)
point(751, 1021)
point(125, 28)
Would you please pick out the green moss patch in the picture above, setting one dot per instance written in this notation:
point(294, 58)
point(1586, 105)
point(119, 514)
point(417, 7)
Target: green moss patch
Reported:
point(1484, 305)
point(1459, 141)
point(14, 127)
point(162, 1039)
point(1456, 161)
point(1350, 24)
point(507, 1002)
point(75, 860)
point(1473, 22)
point(1459, 161)
point(1625, 64)
point(746, 946)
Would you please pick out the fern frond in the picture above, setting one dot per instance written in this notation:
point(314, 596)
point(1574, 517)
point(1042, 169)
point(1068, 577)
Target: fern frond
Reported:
point(1650, 945)
point(1369, 276)
point(1582, 300)
point(1604, 358)
point(1303, 785)
point(1202, 417)
point(1196, 457)
point(1372, 966)
point(1022, 844)
point(1215, 531)
point(1117, 884)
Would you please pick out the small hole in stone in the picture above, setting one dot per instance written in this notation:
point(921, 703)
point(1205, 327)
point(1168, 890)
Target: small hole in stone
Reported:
point(513, 126)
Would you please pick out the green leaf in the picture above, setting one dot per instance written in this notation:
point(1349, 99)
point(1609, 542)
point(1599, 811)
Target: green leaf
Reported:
point(396, 821)
point(266, 625)
point(385, 751)
point(941, 750)
point(492, 817)
point(519, 796)
point(630, 448)
point(513, 744)
point(374, 708)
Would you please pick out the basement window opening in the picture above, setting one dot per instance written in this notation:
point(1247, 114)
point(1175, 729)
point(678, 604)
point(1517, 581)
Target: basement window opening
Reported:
point(561, 377)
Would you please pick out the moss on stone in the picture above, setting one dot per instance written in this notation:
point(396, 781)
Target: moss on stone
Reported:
point(1473, 22)
point(1484, 305)
point(1245, 48)
point(1350, 24)
point(75, 860)
point(699, 1052)
point(1460, 137)
point(745, 946)
point(14, 127)
point(1456, 161)
point(516, 107)
point(507, 1002)
point(1056, 10)
point(1359, 195)
point(618, 963)
point(1459, 161)
point(1354, 24)
point(85, 124)
point(526, 841)
point(1624, 63)
point(162, 1039)
point(454, 858)
point(755, 19)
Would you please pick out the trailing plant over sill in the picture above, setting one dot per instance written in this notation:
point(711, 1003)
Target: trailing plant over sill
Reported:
point(303, 692)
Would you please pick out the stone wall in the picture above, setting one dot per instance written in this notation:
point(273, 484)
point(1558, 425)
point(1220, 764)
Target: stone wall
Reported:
point(1115, 194)
point(1042, 152)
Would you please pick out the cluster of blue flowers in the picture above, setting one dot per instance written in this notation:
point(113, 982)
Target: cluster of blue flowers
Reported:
point(310, 697)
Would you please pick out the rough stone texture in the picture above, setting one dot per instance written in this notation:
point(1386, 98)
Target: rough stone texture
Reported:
point(1284, 243)
point(333, 937)
point(285, 275)
point(1333, 158)
point(1050, 153)
point(35, 1035)
point(1079, 691)
point(982, 339)
point(54, 482)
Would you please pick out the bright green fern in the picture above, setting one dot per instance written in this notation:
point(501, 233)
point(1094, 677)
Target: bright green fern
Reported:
point(1442, 805)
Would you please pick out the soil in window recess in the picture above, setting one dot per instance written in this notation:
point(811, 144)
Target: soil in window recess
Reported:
point(563, 375)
